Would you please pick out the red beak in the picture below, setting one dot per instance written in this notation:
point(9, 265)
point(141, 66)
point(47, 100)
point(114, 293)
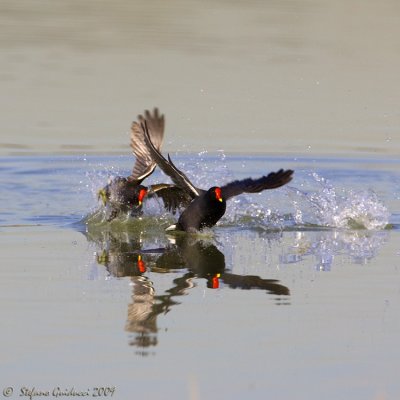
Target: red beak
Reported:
point(218, 194)
point(141, 265)
point(142, 193)
point(215, 281)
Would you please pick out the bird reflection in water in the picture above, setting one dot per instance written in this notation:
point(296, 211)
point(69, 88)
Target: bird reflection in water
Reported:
point(122, 256)
point(204, 260)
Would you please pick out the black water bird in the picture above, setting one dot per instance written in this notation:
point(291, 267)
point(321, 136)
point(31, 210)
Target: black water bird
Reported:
point(125, 195)
point(208, 206)
point(205, 260)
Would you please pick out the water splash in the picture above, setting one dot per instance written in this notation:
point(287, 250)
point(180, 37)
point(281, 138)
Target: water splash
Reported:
point(332, 207)
point(317, 203)
point(329, 247)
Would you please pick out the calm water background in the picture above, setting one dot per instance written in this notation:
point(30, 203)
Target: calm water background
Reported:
point(306, 307)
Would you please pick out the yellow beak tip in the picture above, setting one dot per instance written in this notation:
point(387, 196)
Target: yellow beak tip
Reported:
point(101, 195)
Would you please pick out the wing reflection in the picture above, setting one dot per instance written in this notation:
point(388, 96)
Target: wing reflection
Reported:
point(122, 256)
point(204, 260)
point(188, 261)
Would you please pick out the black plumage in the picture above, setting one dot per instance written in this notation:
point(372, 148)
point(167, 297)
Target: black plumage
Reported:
point(208, 206)
point(125, 194)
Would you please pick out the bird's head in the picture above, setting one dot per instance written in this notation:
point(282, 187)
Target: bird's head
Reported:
point(215, 194)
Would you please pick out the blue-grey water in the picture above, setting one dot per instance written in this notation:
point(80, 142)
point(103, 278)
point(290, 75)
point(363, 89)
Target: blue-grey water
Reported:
point(295, 294)
point(296, 290)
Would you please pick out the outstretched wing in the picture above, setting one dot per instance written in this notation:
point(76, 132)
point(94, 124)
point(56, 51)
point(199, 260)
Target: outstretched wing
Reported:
point(172, 196)
point(144, 164)
point(167, 166)
point(254, 282)
point(271, 181)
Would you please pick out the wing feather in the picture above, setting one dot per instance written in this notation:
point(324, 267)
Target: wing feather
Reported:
point(144, 164)
point(172, 196)
point(168, 167)
point(271, 181)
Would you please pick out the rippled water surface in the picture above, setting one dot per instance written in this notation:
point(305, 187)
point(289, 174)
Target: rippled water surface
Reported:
point(296, 289)
point(295, 294)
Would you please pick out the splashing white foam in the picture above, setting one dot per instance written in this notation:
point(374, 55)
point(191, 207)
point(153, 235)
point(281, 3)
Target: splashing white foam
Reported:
point(317, 203)
point(331, 207)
